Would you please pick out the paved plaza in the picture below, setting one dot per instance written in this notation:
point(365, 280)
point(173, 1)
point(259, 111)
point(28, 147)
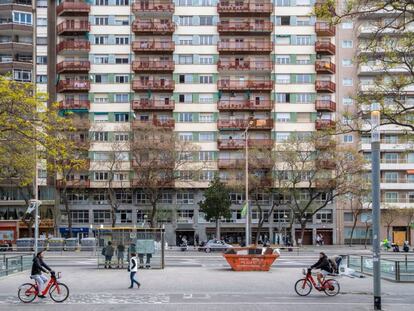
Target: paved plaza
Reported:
point(201, 282)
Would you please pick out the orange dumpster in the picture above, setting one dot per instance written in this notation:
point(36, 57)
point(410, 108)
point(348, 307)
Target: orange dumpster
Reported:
point(247, 262)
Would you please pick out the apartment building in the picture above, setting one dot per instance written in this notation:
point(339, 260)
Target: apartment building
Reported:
point(203, 69)
point(397, 158)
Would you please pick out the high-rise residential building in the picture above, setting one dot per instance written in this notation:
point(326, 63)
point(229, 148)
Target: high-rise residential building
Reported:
point(202, 69)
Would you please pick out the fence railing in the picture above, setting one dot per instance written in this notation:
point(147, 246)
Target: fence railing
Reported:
point(10, 264)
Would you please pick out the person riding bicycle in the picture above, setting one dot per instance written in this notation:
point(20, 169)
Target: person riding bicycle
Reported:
point(38, 267)
point(324, 265)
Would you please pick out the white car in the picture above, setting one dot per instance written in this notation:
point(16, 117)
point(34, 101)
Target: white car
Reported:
point(216, 245)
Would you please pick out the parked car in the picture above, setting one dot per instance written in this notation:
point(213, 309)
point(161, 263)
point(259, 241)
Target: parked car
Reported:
point(216, 245)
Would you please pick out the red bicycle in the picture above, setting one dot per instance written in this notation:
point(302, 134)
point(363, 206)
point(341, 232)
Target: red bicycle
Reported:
point(59, 292)
point(304, 286)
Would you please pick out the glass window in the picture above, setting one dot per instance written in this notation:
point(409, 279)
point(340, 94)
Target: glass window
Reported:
point(185, 136)
point(324, 216)
point(206, 155)
point(206, 20)
point(303, 78)
point(348, 138)
point(100, 136)
point(185, 40)
point(101, 59)
point(124, 40)
point(101, 20)
point(206, 136)
point(206, 98)
point(101, 216)
point(347, 25)
point(282, 40)
point(348, 216)
point(121, 98)
point(207, 175)
point(22, 18)
point(347, 44)
point(303, 40)
point(206, 79)
point(283, 117)
point(121, 117)
point(303, 59)
point(206, 40)
point(22, 75)
point(347, 82)
point(121, 136)
point(282, 59)
point(283, 78)
point(347, 101)
point(80, 216)
point(185, 117)
point(185, 198)
point(347, 62)
point(124, 217)
point(185, 59)
point(101, 117)
point(41, 21)
point(121, 2)
point(206, 60)
point(303, 20)
point(121, 79)
point(206, 117)
point(185, 20)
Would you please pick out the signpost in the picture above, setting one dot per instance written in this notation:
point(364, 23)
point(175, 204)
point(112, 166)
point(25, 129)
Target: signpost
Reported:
point(34, 206)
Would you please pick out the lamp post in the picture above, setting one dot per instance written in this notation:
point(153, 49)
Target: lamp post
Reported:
point(246, 173)
point(376, 208)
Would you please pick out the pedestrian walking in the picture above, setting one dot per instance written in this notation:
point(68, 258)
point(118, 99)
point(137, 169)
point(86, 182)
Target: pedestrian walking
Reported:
point(318, 240)
point(132, 269)
point(120, 249)
point(109, 253)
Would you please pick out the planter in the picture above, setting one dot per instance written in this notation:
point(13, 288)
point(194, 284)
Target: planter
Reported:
point(245, 262)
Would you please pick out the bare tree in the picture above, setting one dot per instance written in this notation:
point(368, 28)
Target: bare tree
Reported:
point(389, 216)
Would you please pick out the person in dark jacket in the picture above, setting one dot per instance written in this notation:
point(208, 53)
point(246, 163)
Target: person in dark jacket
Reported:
point(38, 267)
point(324, 265)
point(109, 252)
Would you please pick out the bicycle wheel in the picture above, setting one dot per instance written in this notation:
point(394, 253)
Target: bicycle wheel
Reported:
point(331, 287)
point(27, 292)
point(303, 287)
point(59, 292)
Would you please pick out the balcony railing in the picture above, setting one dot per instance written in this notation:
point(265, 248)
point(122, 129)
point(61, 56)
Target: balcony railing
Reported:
point(152, 104)
point(325, 86)
point(73, 86)
point(153, 6)
point(244, 27)
point(324, 29)
point(258, 124)
point(244, 7)
point(76, 183)
point(324, 124)
point(325, 183)
point(325, 164)
point(325, 105)
point(138, 183)
point(240, 163)
point(245, 47)
point(153, 27)
point(153, 66)
point(234, 144)
point(73, 66)
point(232, 105)
point(81, 124)
point(77, 104)
point(322, 144)
point(322, 66)
point(154, 46)
point(153, 85)
point(228, 85)
point(73, 27)
point(73, 46)
point(73, 7)
point(162, 123)
point(397, 181)
point(325, 48)
point(232, 65)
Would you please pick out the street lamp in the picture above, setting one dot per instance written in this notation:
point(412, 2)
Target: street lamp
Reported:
point(376, 208)
point(246, 146)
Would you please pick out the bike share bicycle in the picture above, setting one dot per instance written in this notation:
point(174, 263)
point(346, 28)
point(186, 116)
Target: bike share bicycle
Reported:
point(304, 286)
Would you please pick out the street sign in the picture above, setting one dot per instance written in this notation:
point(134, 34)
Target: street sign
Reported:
point(32, 206)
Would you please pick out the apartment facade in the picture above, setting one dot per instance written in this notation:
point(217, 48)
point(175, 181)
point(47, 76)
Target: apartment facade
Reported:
point(202, 69)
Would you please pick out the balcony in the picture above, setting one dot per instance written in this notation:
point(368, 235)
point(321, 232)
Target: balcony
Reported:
point(236, 144)
point(153, 66)
point(241, 163)
point(15, 64)
point(325, 86)
point(73, 28)
point(245, 8)
point(250, 105)
point(73, 8)
point(324, 29)
point(74, 104)
point(155, 85)
point(233, 65)
point(153, 6)
point(73, 46)
point(247, 47)
point(75, 183)
point(153, 28)
point(324, 164)
point(154, 46)
point(325, 183)
point(8, 27)
point(325, 105)
point(323, 144)
point(240, 85)
point(9, 46)
point(143, 183)
point(241, 124)
point(154, 163)
point(161, 123)
point(73, 86)
point(152, 104)
point(325, 67)
point(324, 124)
point(81, 124)
point(73, 67)
point(325, 48)
point(244, 27)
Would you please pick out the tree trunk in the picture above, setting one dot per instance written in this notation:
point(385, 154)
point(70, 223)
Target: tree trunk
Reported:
point(67, 209)
point(153, 217)
point(352, 231)
point(113, 215)
point(366, 236)
point(302, 231)
point(259, 229)
point(218, 234)
point(388, 232)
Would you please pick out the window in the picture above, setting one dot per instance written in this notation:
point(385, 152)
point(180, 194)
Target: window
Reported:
point(185, 20)
point(41, 40)
point(348, 216)
point(347, 82)
point(303, 21)
point(166, 198)
point(122, 20)
point(101, 40)
point(324, 216)
point(121, 136)
point(22, 18)
point(101, 175)
point(206, 20)
point(185, 59)
point(185, 175)
point(282, 40)
point(101, 2)
point(121, 117)
point(41, 78)
point(283, 117)
point(40, 21)
point(206, 60)
point(101, 20)
point(303, 59)
point(124, 40)
point(282, 136)
point(122, 156)
point(304, 98)
point(285, 20)
point(185, 136)
point(185, 40)
point(101, 217)
point(41, 60)
point(206, 98)
point(207, 175)
point(22, 75)
point(122, 59)
point(283, 97)
point(121, 2)
point(121, 79)
point(185, 198)
point(185, 117)
point(123, 217)
point(206, 155)
point(101, 117)
point(282, 59)
point(185, 78)
point(391, 197)
point(347, 62)
point(101, 59)
point(142, 198)
point(100, 136)
point(206, 118)
point(237, 198)
point(41, 3)
point(101, 156)
point(347, 101)
point(347, 25)
point(303, 2)
point(282, 2)
point(281, 216)
point(100, 98)
point(121, 98)
point(206, 136)
point(80, 216)
point(303, 40)
point(347, 44)
point(206, 40)
point(348, 139)
point(283, 78)
point(206, 79)
point(303, 78)
point(185, 216)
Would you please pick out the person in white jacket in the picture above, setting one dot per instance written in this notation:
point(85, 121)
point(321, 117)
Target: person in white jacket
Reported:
point(133, 268)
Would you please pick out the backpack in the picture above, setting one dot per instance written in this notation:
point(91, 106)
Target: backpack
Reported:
point(103, 251)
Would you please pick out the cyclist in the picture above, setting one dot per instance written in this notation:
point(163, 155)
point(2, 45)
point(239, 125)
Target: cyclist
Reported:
point(324, 265)
point(38, 267)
